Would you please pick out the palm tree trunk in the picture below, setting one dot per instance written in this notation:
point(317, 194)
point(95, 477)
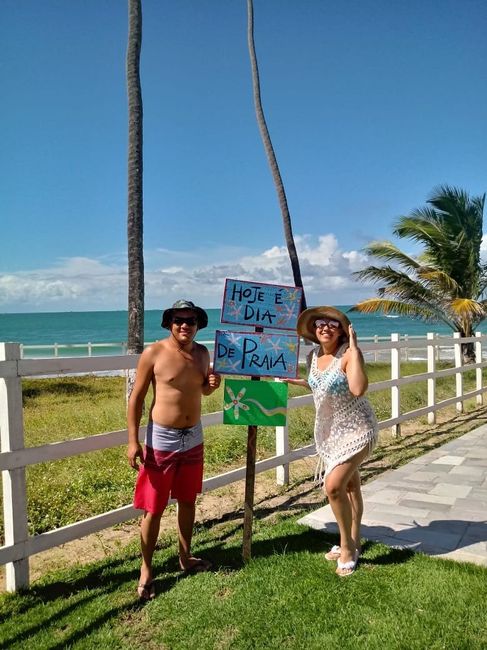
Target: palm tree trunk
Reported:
point(135, 334)
point(271, 157)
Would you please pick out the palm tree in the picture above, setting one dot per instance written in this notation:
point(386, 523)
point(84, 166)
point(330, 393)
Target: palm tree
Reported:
point(271, 156)
point(447, 281)
point(135, 341)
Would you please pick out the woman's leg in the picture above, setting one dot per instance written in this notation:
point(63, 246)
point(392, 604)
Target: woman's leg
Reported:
point(336, 485)
point(355, 496)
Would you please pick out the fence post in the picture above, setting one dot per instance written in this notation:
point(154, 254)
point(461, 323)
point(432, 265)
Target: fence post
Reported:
point(478, 371)
point(406, 349)
point(282, 447)
point(458, 375)
point(395, 391)
point(431, 357)
point(13, 481)
point(376, 340)
point(90, 353)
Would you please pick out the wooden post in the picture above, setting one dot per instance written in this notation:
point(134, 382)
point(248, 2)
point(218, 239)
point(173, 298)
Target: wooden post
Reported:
point(431, 350)
point(478, 371)
point(14, 487)
point(250, 484)
point(249, 492)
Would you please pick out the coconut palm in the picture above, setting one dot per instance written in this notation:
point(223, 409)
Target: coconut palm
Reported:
point(271, 156)
point(135, 341)
point(447, 281)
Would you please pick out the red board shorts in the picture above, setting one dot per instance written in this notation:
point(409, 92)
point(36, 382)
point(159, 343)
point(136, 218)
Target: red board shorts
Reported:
point(165, 474)
point(172, 468)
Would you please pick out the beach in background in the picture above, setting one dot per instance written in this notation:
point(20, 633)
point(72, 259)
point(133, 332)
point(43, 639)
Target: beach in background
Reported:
point(69, 329)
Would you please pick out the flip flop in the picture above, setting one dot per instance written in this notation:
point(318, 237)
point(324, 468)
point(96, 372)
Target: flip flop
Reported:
point(198, 565)
point(146, 591)
point(333, 554)
point(345, 569)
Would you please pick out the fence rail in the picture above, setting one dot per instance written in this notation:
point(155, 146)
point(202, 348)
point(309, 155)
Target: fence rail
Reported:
point(15, 457)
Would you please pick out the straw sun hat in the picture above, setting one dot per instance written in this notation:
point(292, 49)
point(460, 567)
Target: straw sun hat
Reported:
point(305, 326)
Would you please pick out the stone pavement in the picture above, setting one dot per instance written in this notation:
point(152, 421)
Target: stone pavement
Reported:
point(436, 504)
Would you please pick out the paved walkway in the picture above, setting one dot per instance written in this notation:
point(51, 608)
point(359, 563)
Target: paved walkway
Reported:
point(436, 504)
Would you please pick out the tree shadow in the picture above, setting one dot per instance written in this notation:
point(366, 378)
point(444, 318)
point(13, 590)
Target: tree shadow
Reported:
point(58, 387)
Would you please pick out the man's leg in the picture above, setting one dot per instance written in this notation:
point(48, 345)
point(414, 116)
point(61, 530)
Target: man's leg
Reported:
point(149, 531)
point(186, 513)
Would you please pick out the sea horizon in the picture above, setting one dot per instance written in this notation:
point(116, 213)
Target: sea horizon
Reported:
point(110, 326)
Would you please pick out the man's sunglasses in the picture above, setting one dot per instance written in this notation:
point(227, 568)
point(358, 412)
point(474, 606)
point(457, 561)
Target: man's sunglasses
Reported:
point(320, 323)
point(189, 320)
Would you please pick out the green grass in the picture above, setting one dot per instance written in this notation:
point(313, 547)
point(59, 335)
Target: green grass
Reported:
point(287, 596)
point(65, 491)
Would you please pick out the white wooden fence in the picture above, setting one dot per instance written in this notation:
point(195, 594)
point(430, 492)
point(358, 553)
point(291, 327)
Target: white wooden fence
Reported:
point(15, 457)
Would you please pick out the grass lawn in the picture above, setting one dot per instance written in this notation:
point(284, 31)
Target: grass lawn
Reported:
point(68, 490)
point(287, 596)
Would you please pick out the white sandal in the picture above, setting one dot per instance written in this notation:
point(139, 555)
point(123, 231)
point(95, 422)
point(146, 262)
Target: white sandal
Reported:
point(334, 554)
point(345, 569)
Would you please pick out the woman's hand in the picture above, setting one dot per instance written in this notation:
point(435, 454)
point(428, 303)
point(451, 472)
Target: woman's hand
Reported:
point(352, 338)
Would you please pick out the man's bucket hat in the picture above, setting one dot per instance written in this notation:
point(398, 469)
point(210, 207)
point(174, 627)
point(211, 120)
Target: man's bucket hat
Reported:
point(201, 315)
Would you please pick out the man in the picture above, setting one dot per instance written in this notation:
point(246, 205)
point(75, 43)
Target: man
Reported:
point(179, 370)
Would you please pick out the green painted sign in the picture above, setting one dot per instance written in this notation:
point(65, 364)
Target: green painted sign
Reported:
point(254, 402)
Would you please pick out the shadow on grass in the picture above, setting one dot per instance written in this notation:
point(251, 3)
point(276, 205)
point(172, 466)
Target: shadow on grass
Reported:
point(98, 581)
point(58, 387)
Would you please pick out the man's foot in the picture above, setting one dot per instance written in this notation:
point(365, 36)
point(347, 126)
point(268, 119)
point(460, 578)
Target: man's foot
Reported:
point(194, 565)
point(147, 590)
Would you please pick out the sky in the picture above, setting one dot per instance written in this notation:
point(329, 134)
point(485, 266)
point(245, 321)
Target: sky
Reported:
point(370, 104)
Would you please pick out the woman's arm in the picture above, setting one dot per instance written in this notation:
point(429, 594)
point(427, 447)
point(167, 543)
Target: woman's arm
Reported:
point(355, 366)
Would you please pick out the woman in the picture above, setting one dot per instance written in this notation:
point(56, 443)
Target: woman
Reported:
point(345, 425)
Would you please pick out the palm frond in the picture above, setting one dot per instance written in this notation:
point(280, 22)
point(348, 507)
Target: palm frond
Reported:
point(386, 250)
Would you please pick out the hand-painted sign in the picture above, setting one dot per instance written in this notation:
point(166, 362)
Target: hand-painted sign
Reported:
point(259, 355)
point(261, 305)
point(254, 402)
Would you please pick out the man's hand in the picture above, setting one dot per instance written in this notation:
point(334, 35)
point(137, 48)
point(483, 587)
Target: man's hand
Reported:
point(214, 380)
point(134, 451)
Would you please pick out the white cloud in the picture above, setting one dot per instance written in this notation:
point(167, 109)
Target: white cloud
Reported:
point(84, 283)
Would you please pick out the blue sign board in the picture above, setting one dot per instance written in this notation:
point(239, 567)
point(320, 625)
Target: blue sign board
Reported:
point(258, 355)
point(261, 305)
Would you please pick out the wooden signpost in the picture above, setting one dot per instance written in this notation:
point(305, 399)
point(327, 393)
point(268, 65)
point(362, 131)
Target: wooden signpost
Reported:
point(258, 355)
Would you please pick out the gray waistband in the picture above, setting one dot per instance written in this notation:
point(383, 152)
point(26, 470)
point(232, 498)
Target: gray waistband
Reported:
point(172, 439)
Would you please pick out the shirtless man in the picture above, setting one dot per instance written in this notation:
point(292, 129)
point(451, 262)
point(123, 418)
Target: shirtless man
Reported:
point(179, 370)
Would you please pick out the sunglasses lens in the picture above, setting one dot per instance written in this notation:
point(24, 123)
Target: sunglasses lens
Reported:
point(325, 322)
point(190, 320)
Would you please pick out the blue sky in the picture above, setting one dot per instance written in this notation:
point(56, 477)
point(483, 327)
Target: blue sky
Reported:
point(370, 105)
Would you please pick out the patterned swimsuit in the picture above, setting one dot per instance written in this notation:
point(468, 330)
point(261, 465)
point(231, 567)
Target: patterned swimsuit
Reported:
point(344, 424)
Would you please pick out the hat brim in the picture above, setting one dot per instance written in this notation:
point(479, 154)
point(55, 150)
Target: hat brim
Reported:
point(201, 316)
point(305, 326)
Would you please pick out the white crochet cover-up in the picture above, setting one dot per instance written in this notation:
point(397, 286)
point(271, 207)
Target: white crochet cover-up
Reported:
point(344, 424)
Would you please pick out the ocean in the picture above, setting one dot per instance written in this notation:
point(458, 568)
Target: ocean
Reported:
point(68, 329)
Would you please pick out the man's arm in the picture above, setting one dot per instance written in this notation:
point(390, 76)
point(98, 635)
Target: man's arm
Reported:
point(145, 372)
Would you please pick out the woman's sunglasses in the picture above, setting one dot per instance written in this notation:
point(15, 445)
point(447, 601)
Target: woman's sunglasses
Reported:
point(320, 323)
point(189, 320)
